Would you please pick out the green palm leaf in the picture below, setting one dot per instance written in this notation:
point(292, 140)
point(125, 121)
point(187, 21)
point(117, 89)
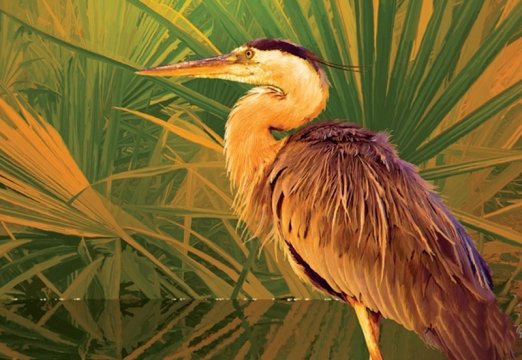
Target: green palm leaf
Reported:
point(149, 205)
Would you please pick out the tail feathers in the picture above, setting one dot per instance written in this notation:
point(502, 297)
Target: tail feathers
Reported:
point(480, 332)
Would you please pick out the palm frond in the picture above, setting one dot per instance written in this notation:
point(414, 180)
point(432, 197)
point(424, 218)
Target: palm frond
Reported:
point(142, 208)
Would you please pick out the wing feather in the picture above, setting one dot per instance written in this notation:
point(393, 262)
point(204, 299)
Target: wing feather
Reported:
point(371, 228)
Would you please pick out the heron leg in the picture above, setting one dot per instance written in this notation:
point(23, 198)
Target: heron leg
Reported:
point(369, 322)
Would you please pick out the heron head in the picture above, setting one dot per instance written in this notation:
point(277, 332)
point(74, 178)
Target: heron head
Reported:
point(258, 62)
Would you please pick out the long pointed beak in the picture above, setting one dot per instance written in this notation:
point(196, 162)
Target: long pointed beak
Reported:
point(199, 68)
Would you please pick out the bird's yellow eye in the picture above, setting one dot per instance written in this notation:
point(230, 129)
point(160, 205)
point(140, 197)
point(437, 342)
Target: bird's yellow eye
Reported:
point(249, 53)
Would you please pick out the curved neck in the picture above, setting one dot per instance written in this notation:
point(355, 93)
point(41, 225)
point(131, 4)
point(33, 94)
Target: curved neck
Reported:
point(249, 144)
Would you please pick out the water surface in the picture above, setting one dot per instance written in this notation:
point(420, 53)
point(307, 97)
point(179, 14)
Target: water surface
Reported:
point(194, 329)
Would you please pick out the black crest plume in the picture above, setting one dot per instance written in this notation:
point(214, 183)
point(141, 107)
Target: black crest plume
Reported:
point(299, 51)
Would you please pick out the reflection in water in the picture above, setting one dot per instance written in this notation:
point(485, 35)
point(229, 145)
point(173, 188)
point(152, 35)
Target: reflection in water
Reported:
point(260, 329)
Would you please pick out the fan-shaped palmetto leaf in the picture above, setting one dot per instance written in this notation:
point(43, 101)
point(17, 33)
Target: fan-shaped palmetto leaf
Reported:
point(45, 188)
point(36, 165)
point(55, 196)
point(424, 62)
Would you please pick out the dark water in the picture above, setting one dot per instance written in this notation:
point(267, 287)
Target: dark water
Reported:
point(260, 329)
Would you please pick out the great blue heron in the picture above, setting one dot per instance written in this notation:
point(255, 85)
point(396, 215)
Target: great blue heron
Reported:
point(354, 220)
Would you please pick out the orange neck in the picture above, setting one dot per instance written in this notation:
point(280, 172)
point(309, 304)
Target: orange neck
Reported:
point(249, 144)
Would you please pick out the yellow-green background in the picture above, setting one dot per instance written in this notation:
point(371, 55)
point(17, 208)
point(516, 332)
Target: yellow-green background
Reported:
point(112, 186)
